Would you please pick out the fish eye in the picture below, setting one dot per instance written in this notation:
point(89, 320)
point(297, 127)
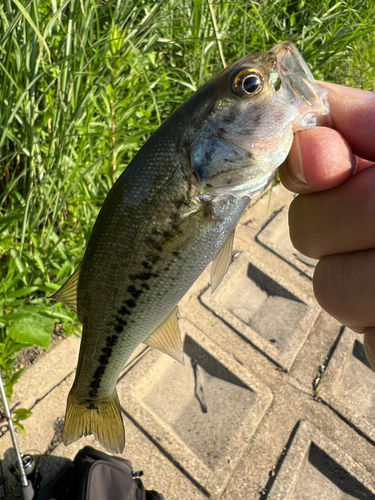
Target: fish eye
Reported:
point(251, 84)
point(247, 83)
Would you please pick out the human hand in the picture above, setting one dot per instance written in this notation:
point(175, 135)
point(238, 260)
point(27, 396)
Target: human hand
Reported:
point(333, 218)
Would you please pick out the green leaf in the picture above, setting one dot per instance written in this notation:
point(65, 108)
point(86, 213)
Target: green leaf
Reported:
point(27, 16)
point(8, 391)
point(7, 221)
point(34, 329)
point(6, 244)
point(152, 57)
point(22, 413)
point(19, 427)
point(14, 378)
point(22, 292)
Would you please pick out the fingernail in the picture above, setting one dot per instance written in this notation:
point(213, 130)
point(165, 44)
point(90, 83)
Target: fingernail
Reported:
point(295, 162)
point(342, 90)
point(369, 346)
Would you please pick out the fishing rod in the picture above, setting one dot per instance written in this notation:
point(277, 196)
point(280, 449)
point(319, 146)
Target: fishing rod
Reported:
point(27, 490)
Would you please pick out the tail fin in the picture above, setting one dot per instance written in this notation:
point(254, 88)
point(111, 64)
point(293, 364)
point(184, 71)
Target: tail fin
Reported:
point(100, 417)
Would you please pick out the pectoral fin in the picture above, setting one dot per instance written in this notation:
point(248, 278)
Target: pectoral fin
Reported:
point(221, 262)
point(67, 294)
point(190, 228)
point(167, 338)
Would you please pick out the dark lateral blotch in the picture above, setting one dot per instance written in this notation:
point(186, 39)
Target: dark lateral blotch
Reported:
point(146, 265)
point(120, 320)
point(107, 351)
point(104, 360)
point(167, 235)
point(154, 258)
point(123, 311)
point(118, 328)
point(145, 276)
point(130, 303)
point(111, 340)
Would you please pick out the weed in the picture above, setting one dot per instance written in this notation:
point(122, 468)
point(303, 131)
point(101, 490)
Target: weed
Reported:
point(84, 83)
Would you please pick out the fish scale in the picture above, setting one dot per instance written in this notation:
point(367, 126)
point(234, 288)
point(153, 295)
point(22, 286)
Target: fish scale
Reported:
point(171, 212)
point(150, 306)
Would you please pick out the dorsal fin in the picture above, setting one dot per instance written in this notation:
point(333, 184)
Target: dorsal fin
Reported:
point(221, 262)
point(167, 338)
point(67, 294)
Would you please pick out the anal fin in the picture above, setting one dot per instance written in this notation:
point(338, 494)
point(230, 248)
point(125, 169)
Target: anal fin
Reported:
point(221, 262)
point(167, 338)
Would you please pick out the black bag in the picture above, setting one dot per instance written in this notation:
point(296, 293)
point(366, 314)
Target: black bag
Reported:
point(97, 476)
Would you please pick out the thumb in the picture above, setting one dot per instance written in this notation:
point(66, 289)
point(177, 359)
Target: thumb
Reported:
point(319, 159)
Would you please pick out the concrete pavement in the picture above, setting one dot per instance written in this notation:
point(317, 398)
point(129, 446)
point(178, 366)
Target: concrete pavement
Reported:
point(289, 394)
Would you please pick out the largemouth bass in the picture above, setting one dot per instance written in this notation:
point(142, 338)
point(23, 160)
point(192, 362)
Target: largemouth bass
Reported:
point(171, 212)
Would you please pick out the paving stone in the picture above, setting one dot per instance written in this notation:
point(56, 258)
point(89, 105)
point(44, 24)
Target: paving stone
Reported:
point(38, 379)
point(348, 383)
point(159, 395)
point(259, 467)
point(266, 208)
point(270, 316)
point(263, 297)
point(41, 431)
point(315, 468)
point(275, 236)
point(264, 433)
point(40, 428)
point(314, 354)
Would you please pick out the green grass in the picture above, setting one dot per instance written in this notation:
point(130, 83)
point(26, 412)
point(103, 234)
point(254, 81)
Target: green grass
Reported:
point(84, 83)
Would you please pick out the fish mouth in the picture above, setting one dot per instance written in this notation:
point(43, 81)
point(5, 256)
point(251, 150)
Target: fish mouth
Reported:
point(298, 86)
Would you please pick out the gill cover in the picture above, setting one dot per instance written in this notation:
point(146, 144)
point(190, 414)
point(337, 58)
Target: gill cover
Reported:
point(248, 132)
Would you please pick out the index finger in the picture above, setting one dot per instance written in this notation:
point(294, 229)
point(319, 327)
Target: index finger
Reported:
point(353, 116)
